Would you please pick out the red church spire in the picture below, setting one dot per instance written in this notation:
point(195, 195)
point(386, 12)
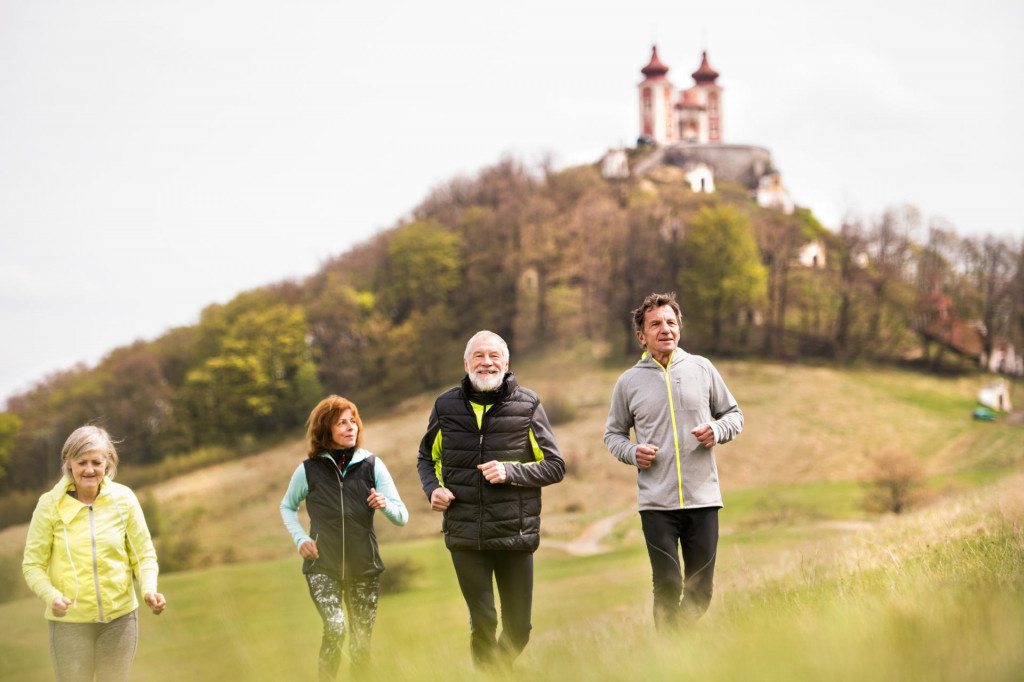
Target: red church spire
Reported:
point(655, 70)
point(705, 74)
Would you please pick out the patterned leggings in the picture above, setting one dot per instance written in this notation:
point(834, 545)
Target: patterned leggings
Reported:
point(360, 599)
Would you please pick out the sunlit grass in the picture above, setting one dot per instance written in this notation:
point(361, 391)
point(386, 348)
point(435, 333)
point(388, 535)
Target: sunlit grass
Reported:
point(934, 595)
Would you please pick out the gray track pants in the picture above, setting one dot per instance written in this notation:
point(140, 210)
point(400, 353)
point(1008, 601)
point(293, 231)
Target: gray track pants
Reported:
point(81, 650)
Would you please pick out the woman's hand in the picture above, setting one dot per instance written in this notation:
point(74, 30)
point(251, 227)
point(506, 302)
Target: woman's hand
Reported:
point(308, 550)
point(156, 602)
point(376, 500)
point(60, 606)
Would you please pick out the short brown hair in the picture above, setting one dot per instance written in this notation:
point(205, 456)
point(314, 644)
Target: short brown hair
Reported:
point(323, 418)
point(656, 301)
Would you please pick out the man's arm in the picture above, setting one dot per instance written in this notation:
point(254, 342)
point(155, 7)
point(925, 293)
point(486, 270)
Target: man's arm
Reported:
point(616, 429)
point(428, 464)
point(549, 466)
point(428, 461)
point(724, 408)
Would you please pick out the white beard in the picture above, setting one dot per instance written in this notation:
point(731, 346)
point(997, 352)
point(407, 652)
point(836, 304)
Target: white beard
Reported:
point(487, 382)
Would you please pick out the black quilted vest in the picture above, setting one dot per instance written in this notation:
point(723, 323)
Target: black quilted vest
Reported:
point(341, 521)
point(485, 515)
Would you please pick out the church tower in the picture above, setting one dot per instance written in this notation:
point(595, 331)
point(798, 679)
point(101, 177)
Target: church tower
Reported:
point(709, 94)
point(657, 110)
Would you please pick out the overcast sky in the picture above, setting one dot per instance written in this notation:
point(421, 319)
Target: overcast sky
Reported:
point(156, 157)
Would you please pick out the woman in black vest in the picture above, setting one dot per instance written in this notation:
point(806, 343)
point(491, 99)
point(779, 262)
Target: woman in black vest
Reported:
point(343, 485)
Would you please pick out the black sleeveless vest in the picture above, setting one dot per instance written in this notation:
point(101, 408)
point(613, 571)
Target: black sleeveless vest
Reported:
point(341, 521)
point(483, 515)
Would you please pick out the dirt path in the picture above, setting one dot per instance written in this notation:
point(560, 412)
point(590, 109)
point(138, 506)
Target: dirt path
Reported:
point(589, 541)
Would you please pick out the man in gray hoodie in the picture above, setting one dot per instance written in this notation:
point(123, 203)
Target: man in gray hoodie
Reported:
point(678, 407)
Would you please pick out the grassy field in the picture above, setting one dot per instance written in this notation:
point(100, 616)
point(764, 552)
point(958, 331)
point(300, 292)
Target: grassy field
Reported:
point(937, 594)
point(809, 585)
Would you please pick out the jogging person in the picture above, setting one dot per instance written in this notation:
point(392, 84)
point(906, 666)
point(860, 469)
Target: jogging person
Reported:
point(486, 454)
point(679, 408)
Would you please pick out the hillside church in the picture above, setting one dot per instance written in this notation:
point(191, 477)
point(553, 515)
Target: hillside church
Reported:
point(685, 127)
point(691, 115)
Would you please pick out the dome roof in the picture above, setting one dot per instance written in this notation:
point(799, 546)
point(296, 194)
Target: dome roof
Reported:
point(705, 74)
point(654, 70)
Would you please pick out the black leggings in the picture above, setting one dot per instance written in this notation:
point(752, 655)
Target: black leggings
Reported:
point(360, 598)
point(696, 531)
point(477, 571)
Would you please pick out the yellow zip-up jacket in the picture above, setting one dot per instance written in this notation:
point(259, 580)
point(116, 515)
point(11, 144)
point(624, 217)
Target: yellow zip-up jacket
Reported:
point(89, 553)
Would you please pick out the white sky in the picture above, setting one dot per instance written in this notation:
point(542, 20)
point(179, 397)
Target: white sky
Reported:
point(157, 156)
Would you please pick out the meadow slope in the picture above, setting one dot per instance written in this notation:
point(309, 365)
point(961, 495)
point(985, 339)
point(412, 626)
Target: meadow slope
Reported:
point(808, 433)
point(808, 586)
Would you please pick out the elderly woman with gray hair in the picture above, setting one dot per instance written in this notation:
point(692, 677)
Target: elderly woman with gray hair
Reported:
point(86, 543)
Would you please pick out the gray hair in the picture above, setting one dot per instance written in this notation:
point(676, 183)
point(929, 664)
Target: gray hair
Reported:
point(484, 332)
point(86, 439)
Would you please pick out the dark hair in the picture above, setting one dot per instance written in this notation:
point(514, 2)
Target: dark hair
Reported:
point(655, 301)
point(321, 420)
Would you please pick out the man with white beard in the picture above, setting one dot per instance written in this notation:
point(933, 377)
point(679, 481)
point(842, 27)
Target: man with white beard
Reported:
point(487, 452)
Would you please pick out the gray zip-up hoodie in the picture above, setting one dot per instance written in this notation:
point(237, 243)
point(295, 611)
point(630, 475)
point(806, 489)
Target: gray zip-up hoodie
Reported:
point(662, 406)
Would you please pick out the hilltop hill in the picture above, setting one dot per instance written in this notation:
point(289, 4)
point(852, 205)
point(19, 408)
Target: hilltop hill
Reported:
point(550, 260)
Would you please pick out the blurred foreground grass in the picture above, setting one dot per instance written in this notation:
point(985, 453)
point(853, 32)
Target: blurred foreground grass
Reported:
point(933, 595)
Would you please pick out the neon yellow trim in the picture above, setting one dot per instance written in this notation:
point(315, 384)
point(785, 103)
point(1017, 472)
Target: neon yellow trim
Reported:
point(479, 411)
point(675, 429)
point(435, 454)
point(538, 454)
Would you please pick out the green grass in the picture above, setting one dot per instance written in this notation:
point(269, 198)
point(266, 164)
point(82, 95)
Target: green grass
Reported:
point(801, 593)
point(935, 595)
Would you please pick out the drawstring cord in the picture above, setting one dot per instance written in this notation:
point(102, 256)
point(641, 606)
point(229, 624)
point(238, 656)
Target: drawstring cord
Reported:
point(74, 571)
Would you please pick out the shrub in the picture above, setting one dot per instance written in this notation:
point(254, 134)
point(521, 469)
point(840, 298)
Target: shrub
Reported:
point(12, 583)
point(178, 553)
point(399, 575)
point(895, 482)
point(151, 511)
point(559, 409)
point(16, 507)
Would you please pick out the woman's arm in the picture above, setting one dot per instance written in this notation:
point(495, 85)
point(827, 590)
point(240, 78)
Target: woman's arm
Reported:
point(36, 562)
point(394, 510)
point(298, 488)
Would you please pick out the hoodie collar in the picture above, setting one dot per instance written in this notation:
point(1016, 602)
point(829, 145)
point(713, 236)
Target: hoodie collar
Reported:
point(358, 456)
point(67, 506)
point(678, 356)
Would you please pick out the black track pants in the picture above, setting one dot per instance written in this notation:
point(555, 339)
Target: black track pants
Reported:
point(696, 532)
point(513, 573)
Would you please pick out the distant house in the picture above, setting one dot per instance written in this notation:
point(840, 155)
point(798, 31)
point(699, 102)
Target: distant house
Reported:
point(700, 177)
point(615, 165)
point(812, 255)
point(996, 395)
point(770, 193)
point(1005, 359)
point(937, 323)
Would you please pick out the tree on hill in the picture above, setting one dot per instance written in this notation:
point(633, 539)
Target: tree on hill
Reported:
point(10, 424)
point(546, 258)
point(261, 381)
point(722, 274)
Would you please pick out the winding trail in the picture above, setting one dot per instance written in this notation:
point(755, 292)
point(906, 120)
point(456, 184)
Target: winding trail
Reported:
point(589, 541)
